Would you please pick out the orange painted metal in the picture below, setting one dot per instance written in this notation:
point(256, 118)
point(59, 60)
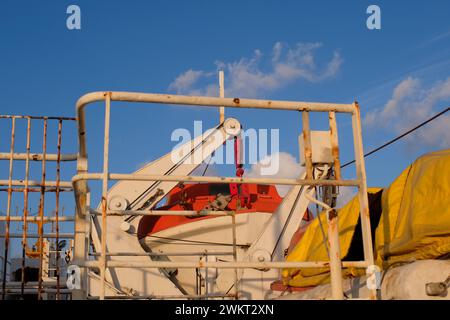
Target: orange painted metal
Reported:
point(263, 198)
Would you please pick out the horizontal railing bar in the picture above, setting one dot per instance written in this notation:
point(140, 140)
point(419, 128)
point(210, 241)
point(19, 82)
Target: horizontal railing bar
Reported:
point(188, 213)
point(153, 177)
point(35, 290)
point(29, 284)
point(37, 189)
point(50, 251)
point(199, 101)
point(203, 101)
point(38, 156)
point(34, 183)
point(36, 117)
point(37, 219)
point(219, 265)
point(36, 236)
point(161, 297)
point(157, 254)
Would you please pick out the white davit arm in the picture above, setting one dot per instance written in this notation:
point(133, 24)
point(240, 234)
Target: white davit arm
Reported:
point(275, 238)
point(135, 195)
point(139, 194)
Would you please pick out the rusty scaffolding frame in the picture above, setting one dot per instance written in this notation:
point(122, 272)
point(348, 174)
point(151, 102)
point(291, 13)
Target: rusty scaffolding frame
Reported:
point(27, 186)
point(80, 184)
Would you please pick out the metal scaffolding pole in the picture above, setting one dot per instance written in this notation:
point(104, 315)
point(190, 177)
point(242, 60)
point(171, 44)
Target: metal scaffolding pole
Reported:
point(362, 191)
point(41, 212)
point(25, 206)
point(58, 178)
point(8, 209)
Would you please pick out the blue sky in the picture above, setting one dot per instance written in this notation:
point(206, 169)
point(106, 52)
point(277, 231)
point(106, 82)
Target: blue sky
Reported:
point(399, 74)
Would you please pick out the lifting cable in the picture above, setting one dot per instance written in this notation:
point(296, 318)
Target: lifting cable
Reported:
point(400, 136)
point(207, 164)
point(199, 241)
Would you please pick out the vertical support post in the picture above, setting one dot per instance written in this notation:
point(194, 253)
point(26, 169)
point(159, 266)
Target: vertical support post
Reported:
point(206, 276)
point(25, 207)
point(335, 255)
point(335, 144)
point(82, 218)
point(307, 143)
point(82, 231)
point(8, 209)
point(332, 247)
point(362, 191)
point(58, 178)
point(105, 194)
point(41, 212)
point(222, 95)
point(233, 221)
point(80, 245)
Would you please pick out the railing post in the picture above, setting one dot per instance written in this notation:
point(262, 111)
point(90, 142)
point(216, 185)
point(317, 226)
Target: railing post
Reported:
point(41, 211)
point(221, 95)
point(25, 207)
point(307, 144)
point(335, 255)
point(105, 195)
point(362, 191)
point(334, 144)
point(57, 194)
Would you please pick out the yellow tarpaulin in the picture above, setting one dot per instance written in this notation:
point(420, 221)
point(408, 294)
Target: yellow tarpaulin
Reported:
point(312, 248)
point(414, 223)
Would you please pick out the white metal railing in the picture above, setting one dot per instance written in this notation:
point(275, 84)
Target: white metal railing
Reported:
point(82, 199)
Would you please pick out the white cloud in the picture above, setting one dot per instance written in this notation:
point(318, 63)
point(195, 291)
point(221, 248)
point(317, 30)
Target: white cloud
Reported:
point(248, 78)
point(345, 195)
point(411, 104)
point(186, 80)
point(205, 169)
point(437, 38)
point(288, 168)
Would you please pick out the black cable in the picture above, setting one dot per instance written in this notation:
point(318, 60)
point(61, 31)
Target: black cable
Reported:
point(209, 161)
point(198, 241)
point(400, 136)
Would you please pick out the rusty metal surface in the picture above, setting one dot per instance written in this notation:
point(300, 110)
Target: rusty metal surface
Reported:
point(25, 207)
point(58, 178)
point(308, 147)
point(38, 157)
point(27, 186)
point(36, 117)
point(41, 211)
point(335, 144)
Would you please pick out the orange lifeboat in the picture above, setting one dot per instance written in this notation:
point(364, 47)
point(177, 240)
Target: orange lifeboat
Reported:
point(196, 197)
